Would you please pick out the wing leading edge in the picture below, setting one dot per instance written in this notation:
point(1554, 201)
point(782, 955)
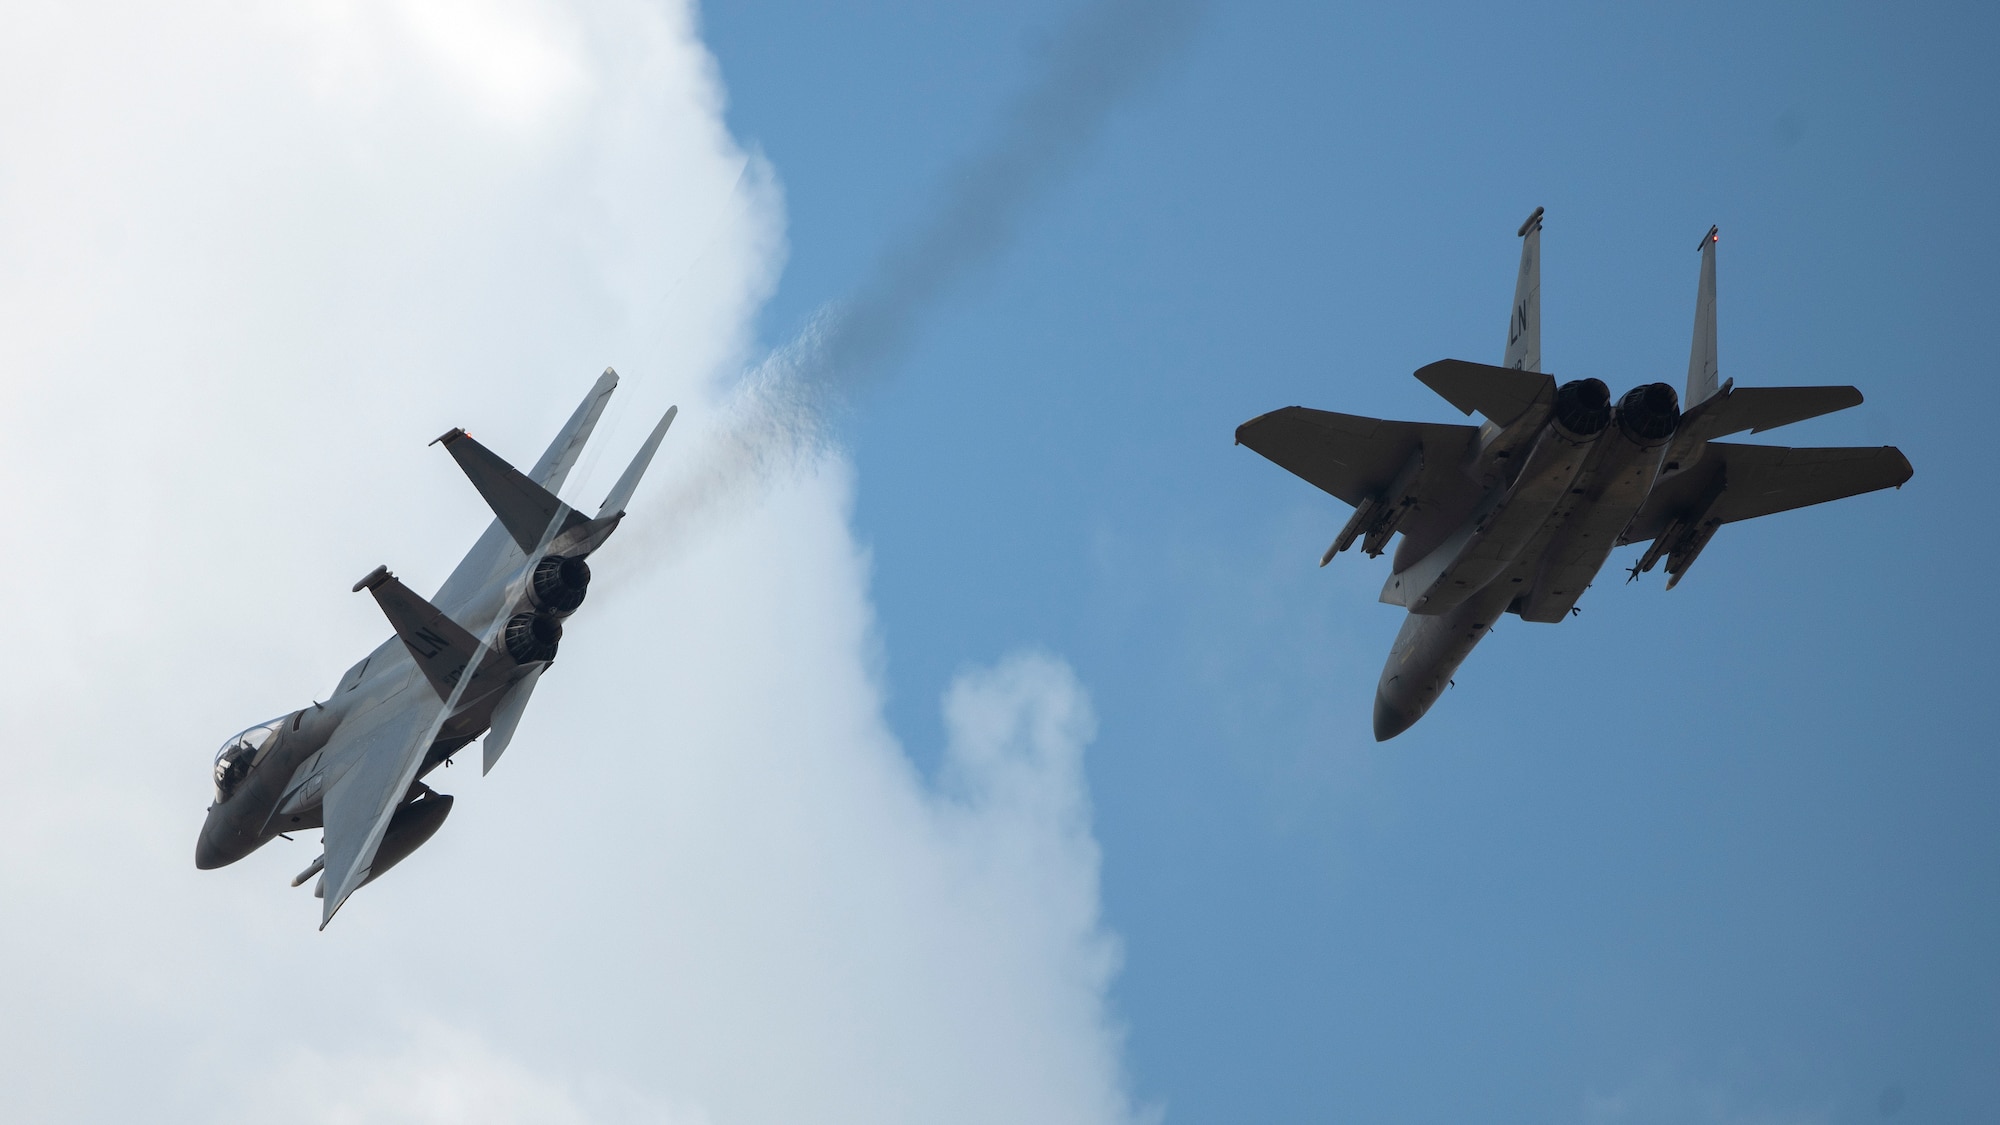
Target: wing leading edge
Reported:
point(387, 753)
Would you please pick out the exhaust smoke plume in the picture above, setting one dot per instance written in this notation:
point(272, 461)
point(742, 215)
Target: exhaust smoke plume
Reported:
point(777, 417)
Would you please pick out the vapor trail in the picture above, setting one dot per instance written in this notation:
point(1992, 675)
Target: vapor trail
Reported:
point(777, 416)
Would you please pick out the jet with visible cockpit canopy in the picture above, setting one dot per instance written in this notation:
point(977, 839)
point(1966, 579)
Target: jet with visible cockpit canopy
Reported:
point(461, 665)
point(1518, 514)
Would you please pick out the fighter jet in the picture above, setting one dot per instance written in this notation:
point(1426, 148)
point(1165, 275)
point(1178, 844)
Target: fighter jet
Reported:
point(460, 666)
point(1517, 514)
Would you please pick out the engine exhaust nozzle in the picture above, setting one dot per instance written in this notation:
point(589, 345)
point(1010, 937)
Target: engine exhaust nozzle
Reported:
point(559, 584)
point(1583, 407)
point(1650, 414)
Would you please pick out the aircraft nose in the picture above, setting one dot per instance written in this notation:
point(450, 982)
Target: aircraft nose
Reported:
point(1389, 720)
point(209, 853)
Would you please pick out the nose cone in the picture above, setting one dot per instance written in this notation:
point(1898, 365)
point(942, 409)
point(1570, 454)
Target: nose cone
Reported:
point(208, 857)
point(1391, 721)
point(217, 846)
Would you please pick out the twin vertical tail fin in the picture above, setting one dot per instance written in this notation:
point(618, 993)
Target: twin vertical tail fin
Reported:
point(553, 469)
point(1703, 375)
point(534, 516)
point(1524, 326)
point(621, 493)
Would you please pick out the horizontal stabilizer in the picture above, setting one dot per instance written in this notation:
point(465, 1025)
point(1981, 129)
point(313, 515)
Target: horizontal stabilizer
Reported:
point(440, 646)
point(1502, 394)
point(1756, 409)
point(531, 514)
point(621, 493)
point(1766, 408)
point(1357, 458)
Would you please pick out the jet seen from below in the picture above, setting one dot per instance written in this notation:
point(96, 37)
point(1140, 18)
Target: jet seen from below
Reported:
point(1519, 513)
point(459, 666)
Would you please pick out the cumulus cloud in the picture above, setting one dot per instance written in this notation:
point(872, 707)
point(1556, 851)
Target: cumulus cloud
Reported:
point(251, 259)
point(433, 1074)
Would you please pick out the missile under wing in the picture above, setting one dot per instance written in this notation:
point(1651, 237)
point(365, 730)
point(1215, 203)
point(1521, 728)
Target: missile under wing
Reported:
point(460, 665)
point(1519, 513)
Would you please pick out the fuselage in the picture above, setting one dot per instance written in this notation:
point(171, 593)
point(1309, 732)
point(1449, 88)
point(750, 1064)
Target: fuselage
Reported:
point(281, 788)
point(1532, 543)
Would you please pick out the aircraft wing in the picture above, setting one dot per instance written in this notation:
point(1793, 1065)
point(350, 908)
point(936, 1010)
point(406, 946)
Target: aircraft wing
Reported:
point(1757, 480)
point(385, 749)
point(1356, 458)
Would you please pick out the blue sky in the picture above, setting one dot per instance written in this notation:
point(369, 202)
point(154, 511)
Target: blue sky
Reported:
point(1720, 854)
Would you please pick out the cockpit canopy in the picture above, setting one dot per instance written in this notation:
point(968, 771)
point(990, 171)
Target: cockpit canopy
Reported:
point(242, 751)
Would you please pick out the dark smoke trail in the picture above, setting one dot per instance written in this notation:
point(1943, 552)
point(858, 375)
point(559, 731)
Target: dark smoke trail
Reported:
point(1096, 62)
point(777, 417)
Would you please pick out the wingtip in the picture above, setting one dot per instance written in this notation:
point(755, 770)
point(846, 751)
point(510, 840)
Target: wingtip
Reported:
point(334, 901)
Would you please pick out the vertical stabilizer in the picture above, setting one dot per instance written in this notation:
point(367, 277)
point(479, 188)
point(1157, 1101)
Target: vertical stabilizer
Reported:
point(553, 469)
point(480, 564)
point(1702, 373)
point(621, 493)
point(506, 717)
point(1524, 326)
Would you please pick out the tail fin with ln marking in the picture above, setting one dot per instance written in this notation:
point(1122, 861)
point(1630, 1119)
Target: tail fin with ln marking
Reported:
point(1524, 324)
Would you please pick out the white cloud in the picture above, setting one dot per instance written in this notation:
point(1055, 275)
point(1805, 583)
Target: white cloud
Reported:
point(251, 259)
point(431, 1074)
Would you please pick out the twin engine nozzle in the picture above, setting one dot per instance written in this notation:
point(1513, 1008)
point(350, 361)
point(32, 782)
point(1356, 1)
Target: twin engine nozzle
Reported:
point(559, 584)
point(1647, 415)
point(556, 588)
point(1583, 407)
point(1650, 414)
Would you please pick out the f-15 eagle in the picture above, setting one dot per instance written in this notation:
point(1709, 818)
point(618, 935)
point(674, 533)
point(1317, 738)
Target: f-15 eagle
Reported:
point(461, 665)
point(1518, 514)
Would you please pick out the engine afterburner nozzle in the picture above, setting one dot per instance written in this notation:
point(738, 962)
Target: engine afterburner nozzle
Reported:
point(1583, 407)
point(1649, 414)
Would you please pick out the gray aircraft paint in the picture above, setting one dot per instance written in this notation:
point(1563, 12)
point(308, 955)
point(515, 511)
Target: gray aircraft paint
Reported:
point(1520, 513)
point(460, 665)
